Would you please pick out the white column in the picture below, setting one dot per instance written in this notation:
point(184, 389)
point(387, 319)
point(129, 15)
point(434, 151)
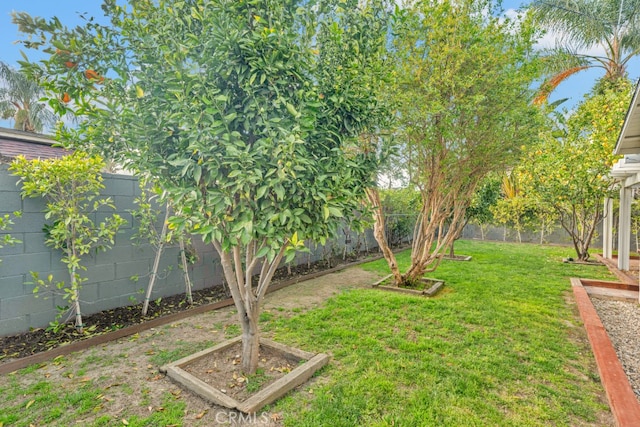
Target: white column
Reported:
point(624, 229)
point(607, 229)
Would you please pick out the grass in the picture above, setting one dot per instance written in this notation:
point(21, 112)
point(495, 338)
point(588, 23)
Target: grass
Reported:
point(498, 347)
point(256, 381)
point(180, 350)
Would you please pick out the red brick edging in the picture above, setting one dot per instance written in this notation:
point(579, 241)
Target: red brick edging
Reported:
point(613, 268)
point(622, 400)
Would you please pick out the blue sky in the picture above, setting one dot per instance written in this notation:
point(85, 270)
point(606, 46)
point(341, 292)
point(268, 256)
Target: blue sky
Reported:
point(68, 13)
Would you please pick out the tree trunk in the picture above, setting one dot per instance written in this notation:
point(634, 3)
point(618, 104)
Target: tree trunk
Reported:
point(379, 233)
point(250, 341)
point(238, 272)
point(76, 300)
point(185, 272)
point(156, 263)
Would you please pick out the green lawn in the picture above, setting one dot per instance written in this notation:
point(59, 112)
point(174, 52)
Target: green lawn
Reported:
point(498, 347)
point(501, 345)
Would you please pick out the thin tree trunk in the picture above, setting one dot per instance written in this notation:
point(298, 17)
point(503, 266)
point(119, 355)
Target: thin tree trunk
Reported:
point(76, 300)
point(379, 233)
point(247, 298)
point(185, 272)
point(156, 263)
point(250, 340)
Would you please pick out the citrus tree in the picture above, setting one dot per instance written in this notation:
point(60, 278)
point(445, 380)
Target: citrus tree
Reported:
point(245, 112)
point(71, 188)
point(463, 78)
point(568, 171)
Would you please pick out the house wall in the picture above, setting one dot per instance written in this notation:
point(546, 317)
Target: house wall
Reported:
point(109, 273)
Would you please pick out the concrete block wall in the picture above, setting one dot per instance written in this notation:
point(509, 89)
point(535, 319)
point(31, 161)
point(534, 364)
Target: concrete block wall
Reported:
point(109, 273)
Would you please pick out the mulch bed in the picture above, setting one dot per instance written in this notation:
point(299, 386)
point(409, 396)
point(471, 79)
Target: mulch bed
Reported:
point(39, 340)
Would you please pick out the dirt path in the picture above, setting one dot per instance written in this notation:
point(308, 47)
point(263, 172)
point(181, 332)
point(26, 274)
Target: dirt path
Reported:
point(128, 368)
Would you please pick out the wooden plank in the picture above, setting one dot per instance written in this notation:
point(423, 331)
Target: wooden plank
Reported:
point(287, 350)
point(279, 388)
point(201, 388)
point(434, 289)
point(44, 356)
point(202, 353)
point(379, 282)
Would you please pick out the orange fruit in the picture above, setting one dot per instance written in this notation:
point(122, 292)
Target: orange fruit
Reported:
point(70, 64)
point(65, 97)
point(91, 74)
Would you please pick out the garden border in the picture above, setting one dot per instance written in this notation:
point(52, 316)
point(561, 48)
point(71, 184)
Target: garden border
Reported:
point(622, 400)
point(14, 365)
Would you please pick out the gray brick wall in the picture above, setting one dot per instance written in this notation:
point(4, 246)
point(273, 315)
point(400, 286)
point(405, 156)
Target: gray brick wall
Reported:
point(109, 273)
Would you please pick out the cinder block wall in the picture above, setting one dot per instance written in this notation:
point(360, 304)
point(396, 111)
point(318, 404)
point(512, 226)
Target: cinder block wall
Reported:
point(109, 273)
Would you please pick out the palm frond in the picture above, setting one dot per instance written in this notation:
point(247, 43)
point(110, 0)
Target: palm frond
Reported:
point(551, 84)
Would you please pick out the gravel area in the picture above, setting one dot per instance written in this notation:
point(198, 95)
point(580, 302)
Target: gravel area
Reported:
point(621, 319)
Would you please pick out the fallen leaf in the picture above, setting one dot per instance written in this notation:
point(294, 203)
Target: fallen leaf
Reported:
point(125, 422)
point(199, 416)
point(84, 379)
point(31, 402)
point(276, 417)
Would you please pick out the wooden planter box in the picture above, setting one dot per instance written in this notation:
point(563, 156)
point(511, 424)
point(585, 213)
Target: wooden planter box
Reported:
point(263, 397)
point(432, 286)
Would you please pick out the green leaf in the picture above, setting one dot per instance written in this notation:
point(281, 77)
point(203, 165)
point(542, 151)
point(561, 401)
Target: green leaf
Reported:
point(335, 212)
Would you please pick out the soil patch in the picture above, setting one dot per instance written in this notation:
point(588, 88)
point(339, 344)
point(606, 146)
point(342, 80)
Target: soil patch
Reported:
point(221, 370)
point(37, 340)
point(43, 339)
point(128, 369)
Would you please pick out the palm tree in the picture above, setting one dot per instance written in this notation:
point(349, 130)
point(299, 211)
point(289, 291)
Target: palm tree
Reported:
point(20, 101)
point(583, 25)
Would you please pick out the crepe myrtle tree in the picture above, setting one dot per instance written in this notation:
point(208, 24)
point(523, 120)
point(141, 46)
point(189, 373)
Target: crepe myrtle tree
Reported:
point(246, 112)
point(463, 79)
